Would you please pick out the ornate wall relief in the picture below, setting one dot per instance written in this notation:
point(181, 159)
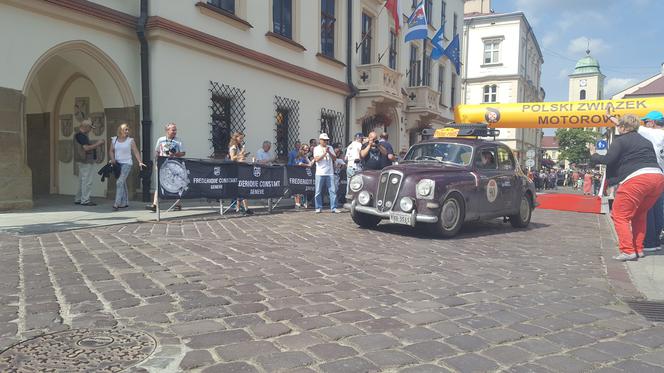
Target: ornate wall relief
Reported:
point(66, 125)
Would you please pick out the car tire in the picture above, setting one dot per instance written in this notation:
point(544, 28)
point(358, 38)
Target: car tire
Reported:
point(522, 218)
point(451, 218)
point(365, 220)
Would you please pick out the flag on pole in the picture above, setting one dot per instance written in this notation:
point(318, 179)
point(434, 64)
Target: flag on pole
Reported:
point(394, 7)
point(417, 24)
point(437, 42)
point(452, 52)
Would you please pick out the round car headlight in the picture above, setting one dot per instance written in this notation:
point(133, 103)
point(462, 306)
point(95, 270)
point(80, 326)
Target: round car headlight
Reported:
point(356, 183)
point(364, 198)
point(424, 187)
point(406, 204)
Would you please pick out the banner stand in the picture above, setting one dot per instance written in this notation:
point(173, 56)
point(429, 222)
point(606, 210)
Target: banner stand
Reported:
point(158, 209)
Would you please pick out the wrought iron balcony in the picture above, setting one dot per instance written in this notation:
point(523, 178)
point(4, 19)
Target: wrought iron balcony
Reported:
point(378, 81)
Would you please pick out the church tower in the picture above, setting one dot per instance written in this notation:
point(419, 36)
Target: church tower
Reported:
point(587, 81)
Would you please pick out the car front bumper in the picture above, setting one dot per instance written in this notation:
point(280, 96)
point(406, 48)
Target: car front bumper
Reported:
point(415, 217)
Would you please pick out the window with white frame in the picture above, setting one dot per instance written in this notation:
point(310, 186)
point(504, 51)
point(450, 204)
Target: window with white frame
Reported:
point(327, 26)
point(365, 50)
point(441, 84)
point(491, 51)
point(393, 50)
point(443, 9)
point(428, 10)
point(227, 5)
point(490, 93)
point(282, 18)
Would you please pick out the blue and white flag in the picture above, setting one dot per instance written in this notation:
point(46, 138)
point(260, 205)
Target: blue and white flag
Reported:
point(437, 42)
point(453, 53)
point(417, 24)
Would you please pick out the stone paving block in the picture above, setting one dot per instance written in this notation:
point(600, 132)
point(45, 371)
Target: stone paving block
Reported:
point(220, 338)
point(283, 314)
point(245, 308)
point(422, 318)
point(570, 339)
point(499, 335)
point(271, 330)
point(319, 309)
point(564, 364)
point(426, 368)
point(467, 342)
point(529, 330)
point(373, 342)
point(188, 329)
point(246, 350)
point(299, 341)
point(430, 350)
point(539, 346)
point(201, 314)
point(508, 355)
point(332, 351)
point(592, 355)
point(380, 325)
point(390, 358)
point(238, 367)
point(531, 368)
point(339, 331)
point(284, 361)
point(449, 328)
point(595, 332)
point(617, 349)
point(313, 322)
point(652, 338)
point(416, 334)
point(471, 363)
point(196, 359)
point(350, 365)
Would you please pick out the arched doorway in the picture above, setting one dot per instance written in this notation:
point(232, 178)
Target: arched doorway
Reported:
point(71, 82)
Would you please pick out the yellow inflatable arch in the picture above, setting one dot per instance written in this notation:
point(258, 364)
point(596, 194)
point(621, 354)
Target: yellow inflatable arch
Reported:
point(569, 114)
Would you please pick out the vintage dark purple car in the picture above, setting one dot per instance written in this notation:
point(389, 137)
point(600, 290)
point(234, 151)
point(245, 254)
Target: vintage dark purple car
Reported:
point(442, 183)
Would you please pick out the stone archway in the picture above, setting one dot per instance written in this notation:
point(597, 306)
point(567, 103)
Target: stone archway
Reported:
point(75, 71)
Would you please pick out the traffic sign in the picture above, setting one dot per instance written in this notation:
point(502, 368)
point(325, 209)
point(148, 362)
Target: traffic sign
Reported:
point(530, 162)
point(530, 154)
point(601, 147)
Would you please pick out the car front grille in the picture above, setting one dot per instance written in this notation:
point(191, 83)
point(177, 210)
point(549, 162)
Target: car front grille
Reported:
point(388, 190)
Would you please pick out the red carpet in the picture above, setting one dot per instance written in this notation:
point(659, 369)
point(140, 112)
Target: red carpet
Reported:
point(570, 202)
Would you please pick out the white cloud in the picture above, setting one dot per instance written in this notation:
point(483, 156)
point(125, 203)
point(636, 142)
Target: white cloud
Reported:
point(549, 39)
point(615, 85)
point(578, 46)
point(563, 74)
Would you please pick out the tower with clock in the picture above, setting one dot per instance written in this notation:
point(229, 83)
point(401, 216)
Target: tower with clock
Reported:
point(587, 81)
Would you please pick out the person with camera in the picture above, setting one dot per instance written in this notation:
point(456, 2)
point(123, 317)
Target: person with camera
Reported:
point(325, 158)
point(374, 154)
point(167, 146)
point(300, 159)
point(237, 153)
point(85, 155)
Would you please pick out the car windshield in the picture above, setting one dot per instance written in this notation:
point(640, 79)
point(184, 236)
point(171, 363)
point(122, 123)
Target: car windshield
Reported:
point(440, 152)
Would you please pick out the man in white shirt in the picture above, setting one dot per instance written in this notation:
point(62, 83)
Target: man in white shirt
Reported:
point(353, 159)
point(653, 130)
point(264, 155)
point(325, 159)
point(167, 146)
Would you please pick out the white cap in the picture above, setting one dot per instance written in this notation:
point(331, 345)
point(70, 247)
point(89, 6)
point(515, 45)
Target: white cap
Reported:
point(323, 136)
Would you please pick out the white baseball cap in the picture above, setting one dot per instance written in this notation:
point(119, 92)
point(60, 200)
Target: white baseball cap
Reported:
point(323, 136)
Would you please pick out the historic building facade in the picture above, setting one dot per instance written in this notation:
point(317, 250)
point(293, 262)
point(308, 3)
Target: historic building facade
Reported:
point(278, 70)
point(502, 64)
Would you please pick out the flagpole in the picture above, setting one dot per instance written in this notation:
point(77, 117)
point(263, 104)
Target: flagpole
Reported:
point(357, 46)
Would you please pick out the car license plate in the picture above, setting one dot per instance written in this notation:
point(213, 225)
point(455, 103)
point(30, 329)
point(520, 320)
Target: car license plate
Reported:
point(400, 218)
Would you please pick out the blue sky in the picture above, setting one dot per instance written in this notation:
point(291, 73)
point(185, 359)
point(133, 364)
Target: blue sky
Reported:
point(625, 37)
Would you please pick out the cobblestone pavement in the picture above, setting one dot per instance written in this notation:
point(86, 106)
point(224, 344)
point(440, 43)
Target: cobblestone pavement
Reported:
point(305, 292)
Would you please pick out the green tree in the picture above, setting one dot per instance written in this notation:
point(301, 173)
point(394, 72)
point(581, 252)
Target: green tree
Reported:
point(573, 143)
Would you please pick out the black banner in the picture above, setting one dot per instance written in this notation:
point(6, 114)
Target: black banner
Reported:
point(196, 178)
point(300, 179)
point(260, 181)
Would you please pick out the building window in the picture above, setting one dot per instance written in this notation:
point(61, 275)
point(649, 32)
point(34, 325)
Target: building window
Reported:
point(490, 93)
point(441, 85)
point(282, 17)
point(366, 37)
point(227, 5)
point(414, 68)
point(393, 50)
point(455, 25)
point(426, 71)
point(491, 51)
point(443, 8)
point(453, 91)
point(327, 22)
point(582, 94)
point(287, 125)
point(227, 116)
point(428, 10)
point(332, 123)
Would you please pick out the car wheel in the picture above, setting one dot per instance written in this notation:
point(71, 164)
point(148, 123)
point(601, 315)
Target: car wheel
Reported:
point(522, 219)
point(365, 220)
point(452, 215)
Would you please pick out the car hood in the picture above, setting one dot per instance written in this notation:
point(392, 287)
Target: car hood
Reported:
point(424, 167)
